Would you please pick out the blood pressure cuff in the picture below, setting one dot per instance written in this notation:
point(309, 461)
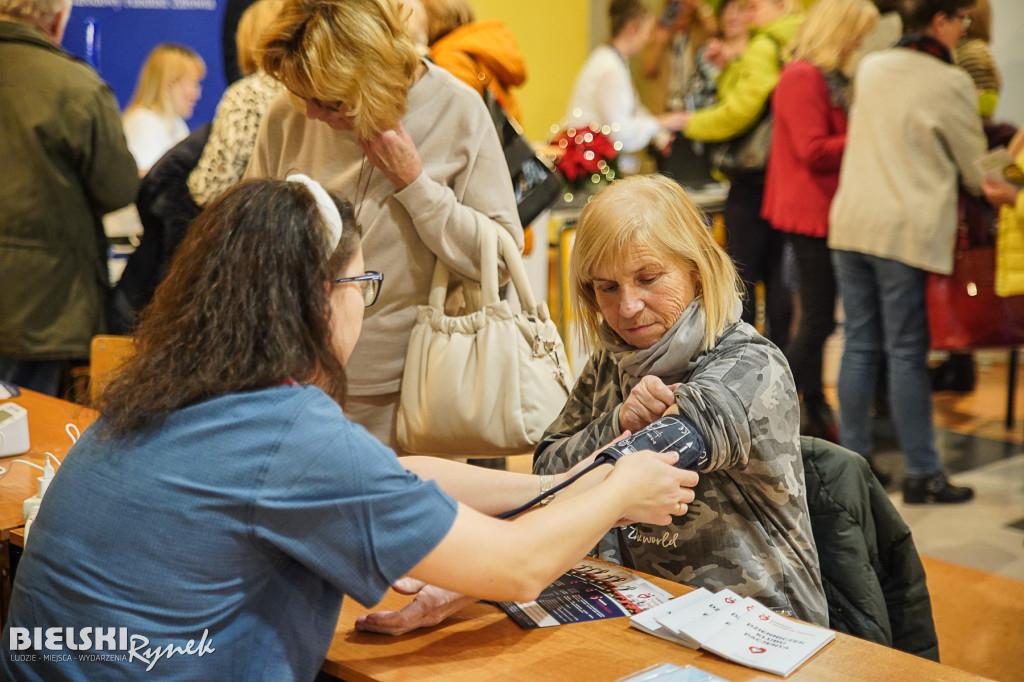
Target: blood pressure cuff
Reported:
point(672, 432)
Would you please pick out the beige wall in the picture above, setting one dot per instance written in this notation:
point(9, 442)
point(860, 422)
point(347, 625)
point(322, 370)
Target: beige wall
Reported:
point(554, 38)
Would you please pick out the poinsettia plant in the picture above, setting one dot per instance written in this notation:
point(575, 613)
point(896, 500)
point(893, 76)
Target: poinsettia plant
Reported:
point(586, 155)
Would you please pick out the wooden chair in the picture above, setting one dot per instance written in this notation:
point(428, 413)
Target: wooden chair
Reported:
point(107, 354)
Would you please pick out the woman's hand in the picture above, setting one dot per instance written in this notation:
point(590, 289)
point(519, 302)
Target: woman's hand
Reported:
point(658, 491)
point(646, 402)
point(998, 192)
point(715, 52)
point(394, 152)
point(431, 606)
point(674, 121)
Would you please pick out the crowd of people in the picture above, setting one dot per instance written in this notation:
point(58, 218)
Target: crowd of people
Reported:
point(256, 421)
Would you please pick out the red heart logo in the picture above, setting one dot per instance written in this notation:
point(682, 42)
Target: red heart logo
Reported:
point(757, 650)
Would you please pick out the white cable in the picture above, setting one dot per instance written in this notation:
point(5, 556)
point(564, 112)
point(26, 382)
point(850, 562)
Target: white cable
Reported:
point(68, 428)
point(21, 461)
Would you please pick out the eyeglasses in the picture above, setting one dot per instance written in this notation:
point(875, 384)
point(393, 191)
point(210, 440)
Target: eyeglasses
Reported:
point(334, 108)
point(965, 18)
point(370, 284)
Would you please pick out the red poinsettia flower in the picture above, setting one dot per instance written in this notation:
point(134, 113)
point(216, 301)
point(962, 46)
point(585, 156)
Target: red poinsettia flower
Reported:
point(586, 152)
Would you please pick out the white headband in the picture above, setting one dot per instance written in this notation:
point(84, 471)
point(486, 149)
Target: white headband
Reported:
point(328, 209)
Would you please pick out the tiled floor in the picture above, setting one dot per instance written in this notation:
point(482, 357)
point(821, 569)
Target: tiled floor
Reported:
point(978, 450)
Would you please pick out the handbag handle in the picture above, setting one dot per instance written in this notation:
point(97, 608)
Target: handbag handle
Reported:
point(490, 242)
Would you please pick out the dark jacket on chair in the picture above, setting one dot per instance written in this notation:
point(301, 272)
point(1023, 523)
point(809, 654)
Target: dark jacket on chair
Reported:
point(873, 577)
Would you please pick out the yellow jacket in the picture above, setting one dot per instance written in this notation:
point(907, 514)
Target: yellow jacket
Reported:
point(1010, 246)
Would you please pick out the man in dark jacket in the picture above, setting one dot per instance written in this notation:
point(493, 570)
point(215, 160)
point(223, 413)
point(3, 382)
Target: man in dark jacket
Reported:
point(65, 164)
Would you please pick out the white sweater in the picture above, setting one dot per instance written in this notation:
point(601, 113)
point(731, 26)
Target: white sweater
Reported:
point(915, 131)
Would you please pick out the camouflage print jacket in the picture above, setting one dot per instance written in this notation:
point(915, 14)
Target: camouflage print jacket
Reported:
point(748, 529)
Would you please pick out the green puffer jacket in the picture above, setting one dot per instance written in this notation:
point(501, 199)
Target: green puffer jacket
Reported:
point(873, 577)
point(746, 84)
point(65, 164)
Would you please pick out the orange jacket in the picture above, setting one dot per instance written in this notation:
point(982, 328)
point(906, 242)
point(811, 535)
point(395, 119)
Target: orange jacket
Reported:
point(484, 53)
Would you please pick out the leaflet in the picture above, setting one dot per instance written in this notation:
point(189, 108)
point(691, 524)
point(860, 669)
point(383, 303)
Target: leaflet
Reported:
point(694, 623)
point(769, 642)
point(997, 164)
point(591, 590)
point(739, 629)
point(648, 621)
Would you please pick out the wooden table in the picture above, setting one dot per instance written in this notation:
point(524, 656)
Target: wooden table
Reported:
point(47, 418)
point(482, 643)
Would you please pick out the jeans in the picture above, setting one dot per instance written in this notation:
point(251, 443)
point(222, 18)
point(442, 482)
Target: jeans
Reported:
point(43, 376)
point(884, 301)
point(817, 285)
point(756, 248)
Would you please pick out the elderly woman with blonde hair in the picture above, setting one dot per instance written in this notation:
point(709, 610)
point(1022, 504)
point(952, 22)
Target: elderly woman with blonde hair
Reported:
point(411, 147)
point(165, 97)
point(657, 300)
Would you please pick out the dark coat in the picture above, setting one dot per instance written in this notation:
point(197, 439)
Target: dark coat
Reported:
point(64, 164)
point(166, 209)
point(873, 577)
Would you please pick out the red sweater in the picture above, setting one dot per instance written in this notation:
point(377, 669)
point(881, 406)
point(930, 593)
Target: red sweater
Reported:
point(807, 149)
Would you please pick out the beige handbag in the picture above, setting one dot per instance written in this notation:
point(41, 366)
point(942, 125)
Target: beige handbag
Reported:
point(484, 384)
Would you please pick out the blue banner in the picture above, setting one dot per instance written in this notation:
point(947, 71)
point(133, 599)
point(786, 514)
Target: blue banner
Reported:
point(114, 36)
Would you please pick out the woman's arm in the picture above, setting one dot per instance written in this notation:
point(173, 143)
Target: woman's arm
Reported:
point(962, 133)
point(744, 385)
point(488, 491)
point(515, 560)
point(589, 419)
point(617, 103)
point(449, 172)
point(434, 604)
point(740, 104)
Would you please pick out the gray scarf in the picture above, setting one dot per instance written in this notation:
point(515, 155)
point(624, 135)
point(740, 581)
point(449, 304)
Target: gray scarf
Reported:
point(672, 358)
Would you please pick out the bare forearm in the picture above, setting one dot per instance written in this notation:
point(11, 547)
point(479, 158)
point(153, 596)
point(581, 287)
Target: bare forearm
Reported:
point(488, 491)
point(516, 560)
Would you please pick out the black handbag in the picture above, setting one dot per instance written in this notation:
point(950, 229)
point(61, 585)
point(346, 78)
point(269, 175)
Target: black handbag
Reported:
point(747, 153)
point(536, 182)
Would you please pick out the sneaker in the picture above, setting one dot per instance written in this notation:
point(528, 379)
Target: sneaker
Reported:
point(934, 489)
